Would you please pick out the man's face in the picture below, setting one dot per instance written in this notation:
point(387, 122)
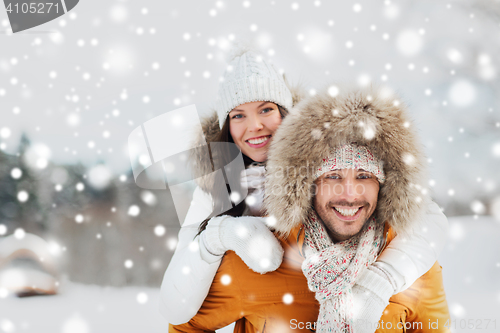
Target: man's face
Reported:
point(345, 200)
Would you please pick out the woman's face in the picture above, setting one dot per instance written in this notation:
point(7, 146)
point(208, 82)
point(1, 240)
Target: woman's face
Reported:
point(252, 126)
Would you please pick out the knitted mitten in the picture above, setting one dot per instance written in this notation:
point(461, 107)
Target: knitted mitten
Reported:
point(247, 236)
point(371, 295)
point(253, 179)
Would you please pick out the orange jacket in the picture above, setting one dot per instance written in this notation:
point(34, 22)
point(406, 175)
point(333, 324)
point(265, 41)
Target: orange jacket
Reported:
point(281, 301)
point(420, 308)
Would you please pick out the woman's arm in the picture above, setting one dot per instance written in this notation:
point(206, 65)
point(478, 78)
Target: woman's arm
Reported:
point(194, 264)
point(399, 265)
point(407, 259)
point(188, 277)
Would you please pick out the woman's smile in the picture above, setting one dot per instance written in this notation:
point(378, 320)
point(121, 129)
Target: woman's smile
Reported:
point(258, 142)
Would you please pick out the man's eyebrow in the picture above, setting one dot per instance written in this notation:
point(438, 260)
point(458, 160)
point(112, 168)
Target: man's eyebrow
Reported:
point(264, 103)
point(330, 172)
point(364, 171)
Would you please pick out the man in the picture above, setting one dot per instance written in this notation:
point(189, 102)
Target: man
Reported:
point(330, 230)
point(359, 172)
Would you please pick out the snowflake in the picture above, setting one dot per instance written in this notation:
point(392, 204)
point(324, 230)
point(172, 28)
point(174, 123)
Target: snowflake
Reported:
point(148, 198)
point(5, 132)
point(495, 150)
point(225, 279)
point(462, 93)
point(75, 324)
point(134, 210)
point(19, 233)
point(118, 13)
point(22, 196)
point(142, 298)
point(128, 264)
point(477, 207)
point(409, 42)
point(333, 91)
point(288, 298)
point(160, 230)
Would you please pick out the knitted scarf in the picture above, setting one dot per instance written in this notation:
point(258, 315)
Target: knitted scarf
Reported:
point(331, 270)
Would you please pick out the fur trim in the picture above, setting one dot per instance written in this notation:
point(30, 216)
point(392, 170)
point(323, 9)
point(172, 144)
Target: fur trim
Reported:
point(200, 161)
point(319, 124)
point(298, 91)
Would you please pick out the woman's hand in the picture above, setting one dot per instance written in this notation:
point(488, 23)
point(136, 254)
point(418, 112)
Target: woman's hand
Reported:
point(371, 295)
point(253, 179)
point(248, 237)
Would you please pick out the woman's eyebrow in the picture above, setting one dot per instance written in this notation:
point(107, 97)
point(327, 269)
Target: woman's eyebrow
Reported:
point(238, 110)
point(264, 103)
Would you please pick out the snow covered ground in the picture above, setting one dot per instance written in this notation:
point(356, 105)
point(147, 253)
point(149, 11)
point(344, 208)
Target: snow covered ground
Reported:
point(84, 309)
point(471, 268)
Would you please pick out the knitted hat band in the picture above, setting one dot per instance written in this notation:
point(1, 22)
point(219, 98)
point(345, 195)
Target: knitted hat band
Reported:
point(353, 156)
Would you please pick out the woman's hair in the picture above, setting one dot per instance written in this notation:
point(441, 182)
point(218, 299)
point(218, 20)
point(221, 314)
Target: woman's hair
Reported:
point(238, 210)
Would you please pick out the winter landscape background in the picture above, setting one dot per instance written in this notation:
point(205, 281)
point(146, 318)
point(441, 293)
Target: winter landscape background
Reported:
point(72, 90)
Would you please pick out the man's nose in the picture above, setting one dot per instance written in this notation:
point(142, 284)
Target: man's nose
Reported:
point(349, 192)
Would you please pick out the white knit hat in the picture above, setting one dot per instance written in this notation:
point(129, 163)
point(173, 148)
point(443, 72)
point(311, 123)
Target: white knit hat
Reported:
point(250, 78)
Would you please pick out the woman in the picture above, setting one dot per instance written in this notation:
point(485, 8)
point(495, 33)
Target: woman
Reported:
point(253, 98)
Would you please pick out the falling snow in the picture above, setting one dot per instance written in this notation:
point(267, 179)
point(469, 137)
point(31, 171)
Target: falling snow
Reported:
point(128, 264)
point(462, 93)
point(142, 298)
point(160, 230)
point(79, 218)
point(134, 210)
point(225, 279)
point(288, 298)
point(95, 87)
point(19, 233)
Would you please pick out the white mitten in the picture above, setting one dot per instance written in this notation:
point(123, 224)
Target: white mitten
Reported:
point(253, 179)
point(248, 236)
point(371, 295)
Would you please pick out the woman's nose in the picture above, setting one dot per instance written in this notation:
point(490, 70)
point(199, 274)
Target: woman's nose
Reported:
point(254, 124)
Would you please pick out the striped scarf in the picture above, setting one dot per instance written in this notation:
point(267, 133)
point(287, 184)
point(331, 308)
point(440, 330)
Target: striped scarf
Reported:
point(331, 270)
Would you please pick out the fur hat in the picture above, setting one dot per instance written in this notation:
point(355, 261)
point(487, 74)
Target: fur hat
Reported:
point(318, 125)
point(251, 78)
